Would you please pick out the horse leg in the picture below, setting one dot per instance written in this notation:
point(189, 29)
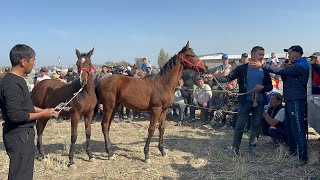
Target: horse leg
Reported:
point(75, 117)
point(153, 122)
point(88, 121)
point(162, 125)
point(107, 118)
point(41, 124)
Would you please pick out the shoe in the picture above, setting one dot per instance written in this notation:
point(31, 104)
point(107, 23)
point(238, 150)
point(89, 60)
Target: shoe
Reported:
point(290, 154)
point(253, 151)
point(224, 127)
point(191, 120)
point(179, 123)
point(208, 126)
point(302, 162)
point(233, 152)
point(129, 120)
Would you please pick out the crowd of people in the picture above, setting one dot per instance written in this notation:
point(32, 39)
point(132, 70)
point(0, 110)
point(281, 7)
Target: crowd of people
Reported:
point(244, 97)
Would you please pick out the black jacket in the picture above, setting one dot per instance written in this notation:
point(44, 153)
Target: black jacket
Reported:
point(240, 73)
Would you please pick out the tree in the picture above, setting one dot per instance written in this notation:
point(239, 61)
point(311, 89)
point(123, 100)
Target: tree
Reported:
point(138, 62)
point(163, 57)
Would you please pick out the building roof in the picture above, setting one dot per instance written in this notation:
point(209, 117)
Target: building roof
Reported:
point(218, 56)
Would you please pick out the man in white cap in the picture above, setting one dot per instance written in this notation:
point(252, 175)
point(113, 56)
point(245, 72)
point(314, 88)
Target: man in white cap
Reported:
point(315, 63)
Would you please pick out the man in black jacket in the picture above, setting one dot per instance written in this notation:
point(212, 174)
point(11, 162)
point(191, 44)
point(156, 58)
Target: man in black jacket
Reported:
point(19, 114)
point(249, 78)
point(295, 77)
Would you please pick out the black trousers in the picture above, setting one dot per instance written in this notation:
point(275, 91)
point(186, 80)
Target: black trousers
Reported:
point(20, 148)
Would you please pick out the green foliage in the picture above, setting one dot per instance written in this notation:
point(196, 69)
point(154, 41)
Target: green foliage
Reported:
point(112, 63)
point(138, 62)
point(163, 57)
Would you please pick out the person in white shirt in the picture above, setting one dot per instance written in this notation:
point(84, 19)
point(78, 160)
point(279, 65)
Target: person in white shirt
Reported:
point(201, 97)
point(43, 75)
point(273, 60)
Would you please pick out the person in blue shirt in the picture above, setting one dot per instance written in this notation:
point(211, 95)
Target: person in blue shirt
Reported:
point(249, 78)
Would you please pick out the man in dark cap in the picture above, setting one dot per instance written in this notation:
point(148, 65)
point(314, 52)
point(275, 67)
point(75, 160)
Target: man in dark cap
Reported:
point(244, 58)
point(295, 77)
point(71, 76)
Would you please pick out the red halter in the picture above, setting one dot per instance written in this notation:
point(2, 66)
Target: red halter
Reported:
point(90, 70)
point(195, 66)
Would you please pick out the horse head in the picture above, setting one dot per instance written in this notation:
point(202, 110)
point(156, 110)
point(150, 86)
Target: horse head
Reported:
point(85, 67)
point(190, 60)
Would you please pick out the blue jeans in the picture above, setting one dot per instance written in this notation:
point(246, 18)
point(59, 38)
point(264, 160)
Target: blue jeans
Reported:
point(205, 111)
point(294, 123)
point(181, 108)
point(245, 108)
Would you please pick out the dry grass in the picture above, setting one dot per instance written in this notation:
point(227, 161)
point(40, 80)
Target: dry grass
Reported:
point(193, 153)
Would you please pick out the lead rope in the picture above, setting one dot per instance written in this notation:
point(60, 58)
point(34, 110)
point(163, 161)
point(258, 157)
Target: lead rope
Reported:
point(255, 94)
point(65, 104)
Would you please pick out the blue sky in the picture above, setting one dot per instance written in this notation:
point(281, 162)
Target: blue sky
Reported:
point(125, 29)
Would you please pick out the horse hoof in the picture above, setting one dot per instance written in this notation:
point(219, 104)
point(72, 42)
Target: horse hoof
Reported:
point(164, 155)
point(73, 166)
point(92, 160)
point(113, 157)
point(148, 161)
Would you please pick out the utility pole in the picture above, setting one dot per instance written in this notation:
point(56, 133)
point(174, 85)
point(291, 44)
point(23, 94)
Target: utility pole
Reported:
point(59, 63)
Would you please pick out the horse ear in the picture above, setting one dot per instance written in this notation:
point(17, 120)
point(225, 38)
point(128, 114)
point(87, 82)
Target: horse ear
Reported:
point(187, 46)
point(78, 53)
point(90, 53)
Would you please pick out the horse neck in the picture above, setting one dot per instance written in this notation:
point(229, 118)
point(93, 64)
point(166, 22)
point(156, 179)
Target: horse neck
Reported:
point(171, 78)
point(89, 87)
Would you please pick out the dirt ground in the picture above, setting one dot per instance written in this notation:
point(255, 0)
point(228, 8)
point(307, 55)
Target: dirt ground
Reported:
point(192, 153)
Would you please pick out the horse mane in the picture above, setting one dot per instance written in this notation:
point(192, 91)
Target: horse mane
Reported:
point(166, 67)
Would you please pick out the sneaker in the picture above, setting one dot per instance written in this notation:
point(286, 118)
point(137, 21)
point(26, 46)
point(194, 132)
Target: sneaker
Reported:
point(253, 151)
point(233, 152)
point(208, 126)
point(129, 120)
point(179, 123)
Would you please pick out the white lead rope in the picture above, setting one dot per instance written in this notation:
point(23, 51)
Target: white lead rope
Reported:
point(65, 104)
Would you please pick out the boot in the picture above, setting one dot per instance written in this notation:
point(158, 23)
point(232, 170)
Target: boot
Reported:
point(253, 151)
